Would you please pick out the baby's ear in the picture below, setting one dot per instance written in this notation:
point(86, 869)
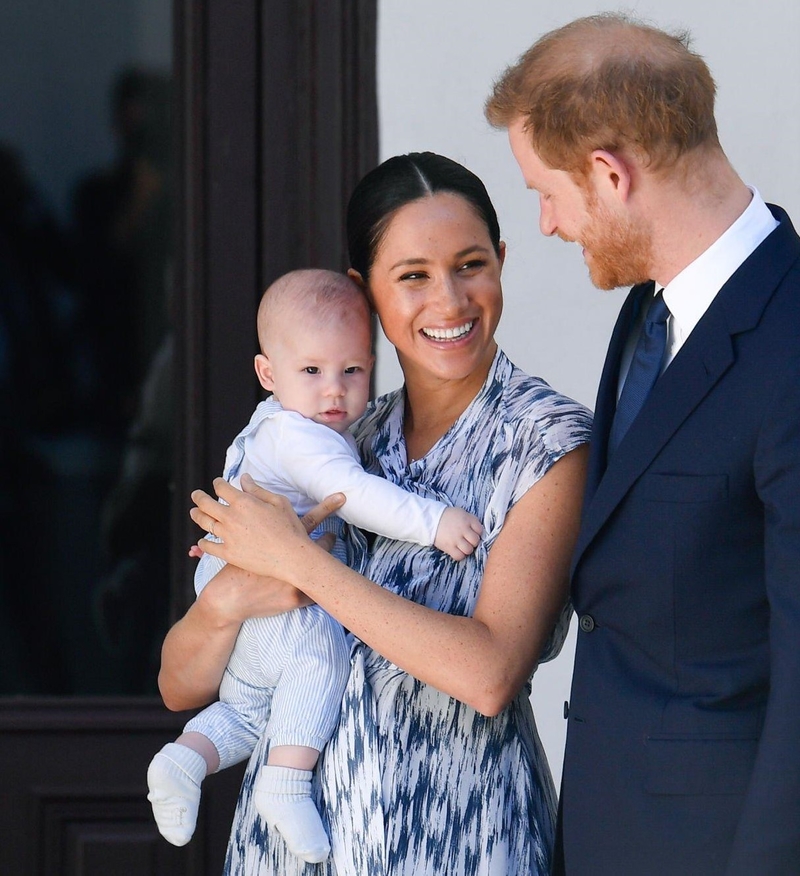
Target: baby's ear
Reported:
point(264, 372)
point(353, 274)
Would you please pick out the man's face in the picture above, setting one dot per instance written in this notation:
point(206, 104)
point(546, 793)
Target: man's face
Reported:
point(616, 251)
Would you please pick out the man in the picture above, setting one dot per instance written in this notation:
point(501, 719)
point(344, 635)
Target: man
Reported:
point(683, 741)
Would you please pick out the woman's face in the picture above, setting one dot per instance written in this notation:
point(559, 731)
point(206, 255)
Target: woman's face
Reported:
point(435, 284)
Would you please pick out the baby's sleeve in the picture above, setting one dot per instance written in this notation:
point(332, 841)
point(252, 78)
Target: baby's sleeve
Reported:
point(320, 462)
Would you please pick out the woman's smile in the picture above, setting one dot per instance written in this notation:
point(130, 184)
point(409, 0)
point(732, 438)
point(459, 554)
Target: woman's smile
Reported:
point(435, 284)
point(449, 334)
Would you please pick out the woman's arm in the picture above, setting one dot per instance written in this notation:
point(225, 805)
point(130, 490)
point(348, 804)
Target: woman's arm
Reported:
point(483, 660)
point(197, 648)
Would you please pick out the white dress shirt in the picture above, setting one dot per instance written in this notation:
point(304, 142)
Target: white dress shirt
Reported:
point(691, 292)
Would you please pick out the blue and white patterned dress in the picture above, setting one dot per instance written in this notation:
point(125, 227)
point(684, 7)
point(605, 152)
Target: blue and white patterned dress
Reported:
point(413, 781)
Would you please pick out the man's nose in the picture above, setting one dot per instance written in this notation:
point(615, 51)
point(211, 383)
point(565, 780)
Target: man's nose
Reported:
point(547, 222)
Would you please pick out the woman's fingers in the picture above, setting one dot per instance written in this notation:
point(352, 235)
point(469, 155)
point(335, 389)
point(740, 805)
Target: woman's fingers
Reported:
point(203, 500)
point(250, 486)
point(256, 528)
point(202, 512)
point(329, 505)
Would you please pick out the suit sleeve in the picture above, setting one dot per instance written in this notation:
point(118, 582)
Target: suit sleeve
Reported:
point(318, 462)
point(767, 841)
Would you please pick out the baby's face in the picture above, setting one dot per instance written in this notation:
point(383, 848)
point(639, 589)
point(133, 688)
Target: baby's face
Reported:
point(321, 370)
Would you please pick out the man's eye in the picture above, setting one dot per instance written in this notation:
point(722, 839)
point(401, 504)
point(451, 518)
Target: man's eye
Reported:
point(311, 369)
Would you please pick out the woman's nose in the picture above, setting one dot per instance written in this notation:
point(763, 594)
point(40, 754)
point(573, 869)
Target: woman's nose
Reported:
point(450, 291)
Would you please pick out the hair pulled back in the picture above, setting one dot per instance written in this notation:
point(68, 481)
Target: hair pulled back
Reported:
point(399, 181)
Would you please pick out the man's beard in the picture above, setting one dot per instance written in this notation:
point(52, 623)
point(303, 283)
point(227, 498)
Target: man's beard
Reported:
point(618, 253)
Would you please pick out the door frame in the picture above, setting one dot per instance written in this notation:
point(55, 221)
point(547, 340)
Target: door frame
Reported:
point(276, 120)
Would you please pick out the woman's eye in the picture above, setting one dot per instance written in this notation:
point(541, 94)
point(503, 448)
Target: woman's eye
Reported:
point(413, 275)
point(311, 369)
point(473, 265)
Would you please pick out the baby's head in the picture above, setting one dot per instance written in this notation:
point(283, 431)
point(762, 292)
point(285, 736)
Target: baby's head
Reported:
point(315, 335)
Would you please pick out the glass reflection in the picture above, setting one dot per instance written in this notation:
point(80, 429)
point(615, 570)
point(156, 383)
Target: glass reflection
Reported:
point(85, 345)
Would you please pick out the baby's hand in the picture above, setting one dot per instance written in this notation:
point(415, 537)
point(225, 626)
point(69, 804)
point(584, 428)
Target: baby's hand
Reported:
point(195, 551)
point(458, 533)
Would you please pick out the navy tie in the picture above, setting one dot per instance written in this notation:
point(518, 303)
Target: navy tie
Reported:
point(643, 372)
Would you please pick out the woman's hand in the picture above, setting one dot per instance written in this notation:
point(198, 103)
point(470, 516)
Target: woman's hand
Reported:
point(259, 530)
point(482, 660)
point(197, 648)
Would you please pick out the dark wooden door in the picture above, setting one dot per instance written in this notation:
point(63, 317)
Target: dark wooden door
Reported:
point(73, 795)
point(275, 120)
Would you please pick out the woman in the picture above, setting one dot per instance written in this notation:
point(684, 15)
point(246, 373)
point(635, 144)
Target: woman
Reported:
point(436, 766)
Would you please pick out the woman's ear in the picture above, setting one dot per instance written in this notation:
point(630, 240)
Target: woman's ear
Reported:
point(501, 255)
point(264, 372)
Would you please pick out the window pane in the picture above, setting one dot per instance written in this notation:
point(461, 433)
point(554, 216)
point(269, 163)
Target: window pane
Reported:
point(85, 344)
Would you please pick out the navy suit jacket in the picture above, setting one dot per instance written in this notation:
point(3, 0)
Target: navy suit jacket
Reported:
point(683, 738)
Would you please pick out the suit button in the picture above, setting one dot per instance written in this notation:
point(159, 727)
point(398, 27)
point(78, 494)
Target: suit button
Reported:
point(586, 623)
point(566, 710)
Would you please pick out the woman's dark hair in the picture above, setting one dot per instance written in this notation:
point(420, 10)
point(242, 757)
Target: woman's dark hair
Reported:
point(395, 183)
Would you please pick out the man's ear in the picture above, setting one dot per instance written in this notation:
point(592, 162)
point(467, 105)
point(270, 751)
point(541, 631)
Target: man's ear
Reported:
point(264, 372)
point(611, 174)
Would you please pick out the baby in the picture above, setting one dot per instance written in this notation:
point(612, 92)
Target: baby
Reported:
point(287, 674)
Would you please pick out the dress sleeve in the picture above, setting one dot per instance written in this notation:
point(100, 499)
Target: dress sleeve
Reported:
point(556, 426)
point(318, 462)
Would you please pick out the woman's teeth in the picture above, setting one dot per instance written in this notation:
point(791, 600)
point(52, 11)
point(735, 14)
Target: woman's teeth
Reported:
point(447, 334)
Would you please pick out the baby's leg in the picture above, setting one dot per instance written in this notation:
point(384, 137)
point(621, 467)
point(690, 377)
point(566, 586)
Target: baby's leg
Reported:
point(173, 778)
point(305, 708)
point(283, 799)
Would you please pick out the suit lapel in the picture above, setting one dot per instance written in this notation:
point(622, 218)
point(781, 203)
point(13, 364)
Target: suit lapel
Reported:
point(705, 357)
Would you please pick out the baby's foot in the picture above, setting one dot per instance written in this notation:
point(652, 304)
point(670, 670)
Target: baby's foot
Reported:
point(174, 778)
point(283, 799)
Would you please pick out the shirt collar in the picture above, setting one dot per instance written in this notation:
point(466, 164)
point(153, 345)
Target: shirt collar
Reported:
point(690, 293)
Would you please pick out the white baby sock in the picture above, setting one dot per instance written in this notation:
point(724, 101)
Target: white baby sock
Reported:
point(283, 799)
point(174, 778)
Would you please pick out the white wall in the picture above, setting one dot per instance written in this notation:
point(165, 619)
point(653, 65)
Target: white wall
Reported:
point(436, 62)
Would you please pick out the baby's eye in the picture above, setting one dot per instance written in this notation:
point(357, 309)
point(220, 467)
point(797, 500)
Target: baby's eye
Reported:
point(311, 369)
point(353, 369)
